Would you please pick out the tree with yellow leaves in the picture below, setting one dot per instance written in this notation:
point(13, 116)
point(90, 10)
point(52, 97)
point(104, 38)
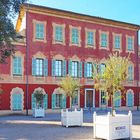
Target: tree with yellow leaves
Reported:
point(69, 87)
point(112, 78)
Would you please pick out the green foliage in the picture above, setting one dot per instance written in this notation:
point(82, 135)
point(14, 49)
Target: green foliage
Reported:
point(8, 10)
point(39, 96)
point(115, 73)
point(69, 86)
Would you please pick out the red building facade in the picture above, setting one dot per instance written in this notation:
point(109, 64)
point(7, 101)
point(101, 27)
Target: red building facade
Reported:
point(60, 43)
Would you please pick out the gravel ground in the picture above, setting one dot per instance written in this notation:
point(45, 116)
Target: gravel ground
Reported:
point(21, 127)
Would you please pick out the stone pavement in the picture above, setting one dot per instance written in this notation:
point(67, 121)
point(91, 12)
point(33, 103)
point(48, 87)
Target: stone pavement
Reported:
point(21, 127)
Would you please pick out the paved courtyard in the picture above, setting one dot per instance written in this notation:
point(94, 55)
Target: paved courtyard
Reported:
point(21, 127)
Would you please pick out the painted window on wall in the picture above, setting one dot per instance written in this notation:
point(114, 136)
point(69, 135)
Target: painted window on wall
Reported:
point(39, 67)
point(130, 73)
point(58, 33)
point(17, 102)
point(75, 36)
point(104, 40)
point(103, 98)
point(130, 98)
point(130, 43)
point(45, 102)
point(58, 101)
point(117, 42)
point(17, 66)
point(90, 38)
point(59, 68)
point(117, 99)
point(75, 99)
point(39, 34)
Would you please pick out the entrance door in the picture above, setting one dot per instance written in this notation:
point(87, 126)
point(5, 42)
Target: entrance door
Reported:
point(17, 102)
point(89, 98)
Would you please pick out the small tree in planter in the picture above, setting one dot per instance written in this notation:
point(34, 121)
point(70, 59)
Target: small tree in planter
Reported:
point(71, 118)
point(39, 109)
point(111, 81)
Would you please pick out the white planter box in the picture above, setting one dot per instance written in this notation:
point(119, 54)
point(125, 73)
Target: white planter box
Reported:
point(40, 112)
point(112, 127)
point(71, 118)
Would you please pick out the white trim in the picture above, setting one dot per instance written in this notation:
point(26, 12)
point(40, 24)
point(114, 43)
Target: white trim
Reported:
point(16, 90)
point(39, 88)
point(132, 92)
point(87, 89)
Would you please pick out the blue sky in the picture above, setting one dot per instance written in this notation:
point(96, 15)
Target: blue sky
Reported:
point(122, 10)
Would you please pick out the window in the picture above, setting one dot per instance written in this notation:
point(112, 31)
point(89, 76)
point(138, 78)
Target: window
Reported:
point(58, 68)
point(17, 66)
point(89, 69)
point(74, 68)
point(58, 33)
point(39, 67)
point(104, 40)
point(103, 98)
point(130, 98)
point(75, 36)
point(58, 100)
point(130, 73)
point(130, 44)
point(117, 99)
point(39, 31)
point(117, 42)
point(90, 38)
point(75, 99)
point(102, 68)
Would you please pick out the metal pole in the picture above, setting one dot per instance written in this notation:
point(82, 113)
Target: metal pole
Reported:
point(27, 51)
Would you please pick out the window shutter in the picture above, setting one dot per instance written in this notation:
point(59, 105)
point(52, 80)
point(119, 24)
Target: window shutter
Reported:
point(33, 66)
point(130, 99)
point(85, 69)
point(19, 66)
point(53, 101)
point(45, 102)
point(33, 102)
point(53, 67)
point(80, 69)
point(45, 67)
point(70, 68)
point(63, 101)
point(64, 68)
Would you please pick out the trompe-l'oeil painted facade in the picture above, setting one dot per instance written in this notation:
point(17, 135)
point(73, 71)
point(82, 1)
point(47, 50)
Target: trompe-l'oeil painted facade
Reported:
point(60, 43)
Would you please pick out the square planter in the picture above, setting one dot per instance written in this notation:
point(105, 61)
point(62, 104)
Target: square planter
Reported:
point(112, 127)
point(72, 118)
point(39, 112)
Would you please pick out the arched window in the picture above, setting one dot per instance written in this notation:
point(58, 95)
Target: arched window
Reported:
point(58, 99)
point(130, 98)
point(17, 102)
point(117, 99)
point(45, 100)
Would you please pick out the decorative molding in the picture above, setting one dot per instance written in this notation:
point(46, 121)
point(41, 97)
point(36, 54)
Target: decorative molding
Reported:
point(59, 57)
point(94, 38)
point(34, 31)
point(39, 55)
point(79, 31)
point(63, 33)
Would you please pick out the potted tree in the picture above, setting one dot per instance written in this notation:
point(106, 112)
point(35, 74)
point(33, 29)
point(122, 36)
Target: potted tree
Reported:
point(70, 117)
point(39, 110)
point(110, 80)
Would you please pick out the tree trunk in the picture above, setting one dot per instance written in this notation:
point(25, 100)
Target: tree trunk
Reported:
point(112, 105)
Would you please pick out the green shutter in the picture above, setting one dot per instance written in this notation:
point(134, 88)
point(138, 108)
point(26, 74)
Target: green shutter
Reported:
point(80, 69)
point(45, 67)
point(33, 102)
point(53, 67)
point(53, 101)
point(45, 101)
point(63, 104)
point(33, 66)
point(70, 68)
point(17, 102)
point(64, 68)
point(85, 69)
